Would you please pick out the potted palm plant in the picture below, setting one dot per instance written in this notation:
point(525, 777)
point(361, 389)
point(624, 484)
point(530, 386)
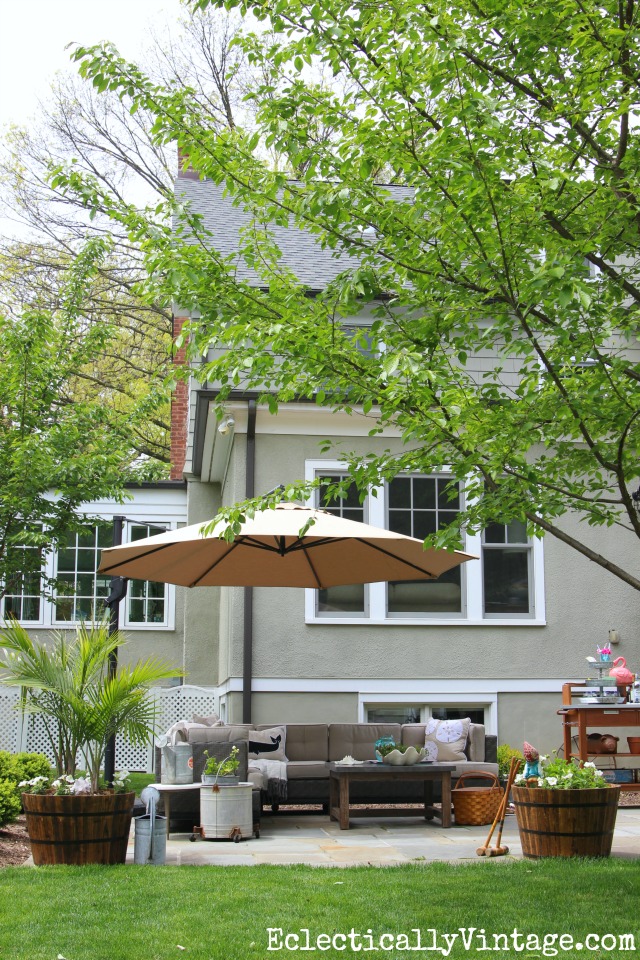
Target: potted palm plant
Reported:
point(83, 703)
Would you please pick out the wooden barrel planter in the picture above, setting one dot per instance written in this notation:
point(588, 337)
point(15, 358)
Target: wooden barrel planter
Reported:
point(566, 823)
point(78, 830)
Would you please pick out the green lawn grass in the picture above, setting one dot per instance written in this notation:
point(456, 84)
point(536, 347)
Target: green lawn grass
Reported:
point(137, 781)
point(223, 913)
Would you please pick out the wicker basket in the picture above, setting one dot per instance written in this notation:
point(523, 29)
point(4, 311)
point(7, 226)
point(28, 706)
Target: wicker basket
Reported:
point(476, 806)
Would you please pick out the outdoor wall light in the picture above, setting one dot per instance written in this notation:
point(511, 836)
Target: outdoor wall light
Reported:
point(225, 425)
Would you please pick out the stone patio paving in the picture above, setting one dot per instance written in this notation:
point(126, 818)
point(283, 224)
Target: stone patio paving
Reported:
point(385, 841)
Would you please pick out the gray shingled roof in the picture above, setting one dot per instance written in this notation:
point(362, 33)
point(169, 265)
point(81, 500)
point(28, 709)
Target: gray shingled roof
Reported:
point(302, 253)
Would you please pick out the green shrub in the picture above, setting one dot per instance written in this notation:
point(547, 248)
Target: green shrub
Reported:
point(505, 753)
point(9, 802)
point(23, 766)
point(30, 765)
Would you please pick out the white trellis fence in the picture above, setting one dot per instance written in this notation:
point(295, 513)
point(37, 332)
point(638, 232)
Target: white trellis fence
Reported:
point(28, 734)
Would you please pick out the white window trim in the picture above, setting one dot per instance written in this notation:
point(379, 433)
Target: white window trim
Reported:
point(427, 702)
point(375, 594)
point(48, 604)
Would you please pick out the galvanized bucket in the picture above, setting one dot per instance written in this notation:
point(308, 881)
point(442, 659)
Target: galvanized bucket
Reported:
point(177, 764)
point(150, 840)
point(226, 812)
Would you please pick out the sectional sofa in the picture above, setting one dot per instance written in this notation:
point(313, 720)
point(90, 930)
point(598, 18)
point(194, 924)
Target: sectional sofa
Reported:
point(310, 748)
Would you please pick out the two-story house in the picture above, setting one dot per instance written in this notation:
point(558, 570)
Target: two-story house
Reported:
point(493, 640)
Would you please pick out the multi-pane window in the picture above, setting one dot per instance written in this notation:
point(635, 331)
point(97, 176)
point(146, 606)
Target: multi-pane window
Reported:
point(146, 601)
point(80, 590)
point(505, 584)
point(22, 598)
point(419, 507)
point(506, 569)
point(346, 600)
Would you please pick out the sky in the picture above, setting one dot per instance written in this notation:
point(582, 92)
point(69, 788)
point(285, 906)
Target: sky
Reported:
point(34, 33)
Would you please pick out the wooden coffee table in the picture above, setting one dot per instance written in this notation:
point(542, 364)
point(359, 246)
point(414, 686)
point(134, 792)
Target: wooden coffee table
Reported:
point(340, 778)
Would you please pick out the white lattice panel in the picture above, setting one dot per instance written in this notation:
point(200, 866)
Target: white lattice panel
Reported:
point(10, 720)
point(172, 704)
point(180, 703)
point(36, 740)
point(132, 758)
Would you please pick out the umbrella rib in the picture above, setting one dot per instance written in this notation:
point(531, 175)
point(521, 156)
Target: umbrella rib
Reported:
point(236, 543)
point(139, 556)
point(312, 568)
point(394, 556)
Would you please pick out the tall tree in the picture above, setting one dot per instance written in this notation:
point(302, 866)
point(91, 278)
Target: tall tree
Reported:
point(58, 450)
point(513, 130)
point(103, 136)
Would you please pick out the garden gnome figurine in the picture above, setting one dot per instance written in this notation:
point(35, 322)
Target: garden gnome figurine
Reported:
point(532, 758)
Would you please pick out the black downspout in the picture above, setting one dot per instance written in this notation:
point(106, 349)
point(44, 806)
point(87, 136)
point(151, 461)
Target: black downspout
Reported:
point(247, 646)
point(116, 594)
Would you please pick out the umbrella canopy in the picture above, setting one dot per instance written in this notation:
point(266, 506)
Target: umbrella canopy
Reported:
point(269, 552)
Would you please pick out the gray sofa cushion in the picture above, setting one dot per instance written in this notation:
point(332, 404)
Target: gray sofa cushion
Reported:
point(357, 739)
point(305, 741)
point(225, 734)
point(311, 769)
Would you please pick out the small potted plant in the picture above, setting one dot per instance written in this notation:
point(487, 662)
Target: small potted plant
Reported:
point(222, 772)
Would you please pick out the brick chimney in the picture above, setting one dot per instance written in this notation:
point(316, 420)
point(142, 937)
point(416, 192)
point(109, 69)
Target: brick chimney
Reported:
point(184, 172)
point(179, 411)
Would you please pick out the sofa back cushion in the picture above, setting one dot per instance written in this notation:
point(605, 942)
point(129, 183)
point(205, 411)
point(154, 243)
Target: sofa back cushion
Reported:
point(357, 739)
point(224, 734)
point(305, 741)
point(413, 734)
point(268, 744)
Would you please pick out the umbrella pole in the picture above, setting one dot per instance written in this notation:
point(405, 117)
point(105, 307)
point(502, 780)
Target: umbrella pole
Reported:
point(247, 642)
point(118, 588)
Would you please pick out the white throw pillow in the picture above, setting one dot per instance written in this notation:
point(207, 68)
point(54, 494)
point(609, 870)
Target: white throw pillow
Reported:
point(445, 740)
point(267, 744)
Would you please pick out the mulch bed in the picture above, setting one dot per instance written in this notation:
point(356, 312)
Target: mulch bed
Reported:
point(14, 843)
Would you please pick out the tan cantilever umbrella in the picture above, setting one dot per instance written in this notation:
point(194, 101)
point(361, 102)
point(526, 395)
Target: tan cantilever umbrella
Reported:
point(269, 552)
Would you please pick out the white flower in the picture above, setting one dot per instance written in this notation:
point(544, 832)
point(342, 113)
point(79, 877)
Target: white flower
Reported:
point(590, 764)
point(519, 777)
point(568, 775)
point(598, 773)
point(551, 781)
point(56, 784)
point(544, 757)
point(122, 775)
point(24, 783)
point(81, 785)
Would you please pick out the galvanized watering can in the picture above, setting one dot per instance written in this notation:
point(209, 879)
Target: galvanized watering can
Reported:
point(177, 764)
point(150, 837)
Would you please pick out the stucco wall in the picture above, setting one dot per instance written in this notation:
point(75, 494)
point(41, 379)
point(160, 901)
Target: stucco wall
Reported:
point(297, 707)
point(519, 667)
point(202, 604)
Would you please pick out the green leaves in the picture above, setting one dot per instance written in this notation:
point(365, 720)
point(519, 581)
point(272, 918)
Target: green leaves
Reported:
point(70, 685)
point(499, 268)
